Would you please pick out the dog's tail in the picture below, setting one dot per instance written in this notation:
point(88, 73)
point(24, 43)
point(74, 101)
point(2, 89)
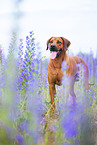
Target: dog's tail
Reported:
point(86, 74)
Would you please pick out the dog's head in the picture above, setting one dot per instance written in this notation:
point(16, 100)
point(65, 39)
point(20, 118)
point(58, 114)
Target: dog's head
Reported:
point(56, 45)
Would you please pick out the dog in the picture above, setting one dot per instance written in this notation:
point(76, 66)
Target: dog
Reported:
point(58, 47)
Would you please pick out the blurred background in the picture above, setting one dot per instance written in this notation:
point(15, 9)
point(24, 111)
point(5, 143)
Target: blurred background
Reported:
point(24, 92)
point(75, 20)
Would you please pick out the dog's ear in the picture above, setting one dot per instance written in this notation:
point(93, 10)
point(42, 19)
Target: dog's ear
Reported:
point(66, 43)
point(48, 42)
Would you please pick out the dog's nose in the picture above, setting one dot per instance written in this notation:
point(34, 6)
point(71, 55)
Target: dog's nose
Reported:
point(53, 46)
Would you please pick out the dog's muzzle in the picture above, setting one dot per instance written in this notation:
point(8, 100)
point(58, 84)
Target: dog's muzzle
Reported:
point(54, 51)
point(53, 48)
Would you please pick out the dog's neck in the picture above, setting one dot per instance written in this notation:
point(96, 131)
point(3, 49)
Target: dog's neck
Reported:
point(66, 57)
point(56, 63)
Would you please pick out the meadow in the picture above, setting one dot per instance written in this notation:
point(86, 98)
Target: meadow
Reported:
point(25, 117)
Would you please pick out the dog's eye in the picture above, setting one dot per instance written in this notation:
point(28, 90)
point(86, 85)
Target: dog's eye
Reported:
point(59, 42)
point(51, 42)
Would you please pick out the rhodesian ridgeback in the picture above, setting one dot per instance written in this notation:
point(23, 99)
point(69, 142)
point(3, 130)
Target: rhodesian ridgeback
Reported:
point(58, 47)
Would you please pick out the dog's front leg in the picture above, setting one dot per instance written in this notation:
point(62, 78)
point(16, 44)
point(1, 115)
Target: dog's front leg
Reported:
point(52, 92)
point(71, 90)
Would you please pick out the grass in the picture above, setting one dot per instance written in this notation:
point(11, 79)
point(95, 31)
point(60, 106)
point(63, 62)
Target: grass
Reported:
point(25, 117)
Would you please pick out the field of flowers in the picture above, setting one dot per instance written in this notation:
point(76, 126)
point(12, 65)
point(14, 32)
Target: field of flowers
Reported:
point(25, 117)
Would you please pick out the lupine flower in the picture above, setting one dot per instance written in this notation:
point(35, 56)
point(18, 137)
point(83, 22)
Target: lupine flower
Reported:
point(70, 125)
point(27, 68)
point(29, 81)
point(71, 120)
point(19, 139)
point(23, 126)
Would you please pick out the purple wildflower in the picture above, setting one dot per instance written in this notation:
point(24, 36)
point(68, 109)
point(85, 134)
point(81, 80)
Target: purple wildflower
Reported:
point(70, 126)
point(71, 120)
point(23, 126)
point(27, 37)
point(19, 139)
point(28, 67)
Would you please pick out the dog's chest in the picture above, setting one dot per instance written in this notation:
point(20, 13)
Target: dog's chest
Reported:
point(54, 69)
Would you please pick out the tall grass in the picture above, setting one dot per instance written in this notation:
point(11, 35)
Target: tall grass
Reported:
point(25, 117)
